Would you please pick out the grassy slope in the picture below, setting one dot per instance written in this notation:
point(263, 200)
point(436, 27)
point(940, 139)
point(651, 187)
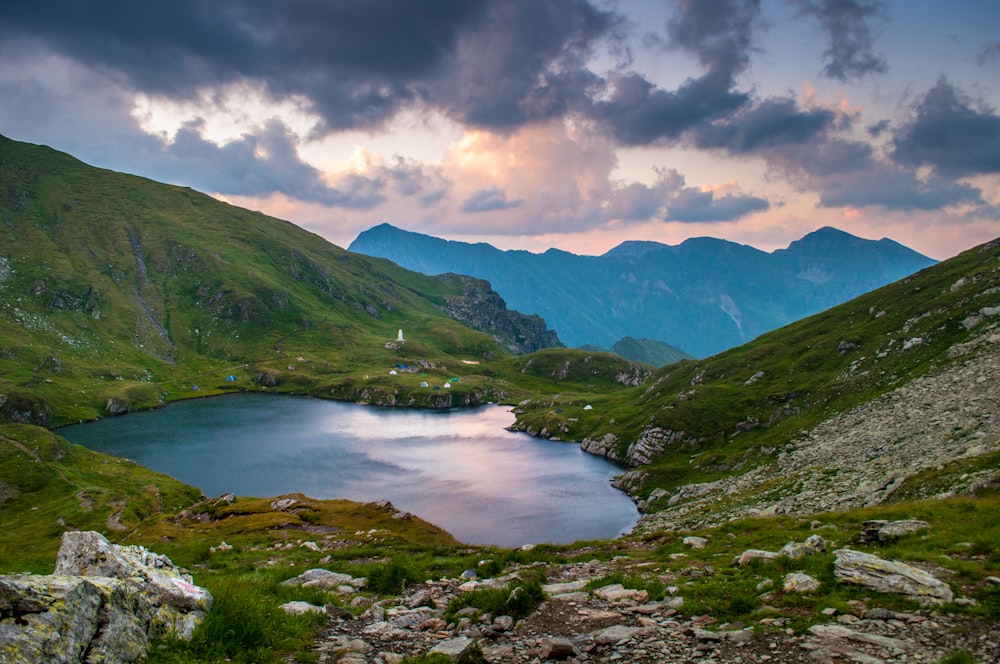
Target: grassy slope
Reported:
point(110, 284)
point(808, 371)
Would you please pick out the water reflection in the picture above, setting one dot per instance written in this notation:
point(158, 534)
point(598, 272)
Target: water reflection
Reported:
point(460, 470)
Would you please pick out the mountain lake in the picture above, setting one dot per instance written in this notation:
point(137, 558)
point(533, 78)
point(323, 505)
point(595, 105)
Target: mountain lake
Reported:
point(459, 469)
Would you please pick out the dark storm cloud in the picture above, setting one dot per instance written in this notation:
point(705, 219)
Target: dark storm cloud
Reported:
point(263, 163)
point(694, 205)
point(851, 27)
point(639, 113)
point(720, 34)
point(895, 189)
point(488, 199)
point(493, 63)
point(773, 122)
point(879, 128)
point(950, 135)
point(525, 61)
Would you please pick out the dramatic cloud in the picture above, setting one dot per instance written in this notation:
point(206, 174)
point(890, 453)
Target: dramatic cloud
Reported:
point(950, 135)
point(894, 189)
point(494, 64)
point(720, 34)
point(772, 123)
point(850, 25)
point(551, 119)
point(525, 62)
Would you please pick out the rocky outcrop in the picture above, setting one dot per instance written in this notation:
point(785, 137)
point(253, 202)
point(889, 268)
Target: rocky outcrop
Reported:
point(104, 603)
point(652, 443)
point(605, 446)
point(482, 308)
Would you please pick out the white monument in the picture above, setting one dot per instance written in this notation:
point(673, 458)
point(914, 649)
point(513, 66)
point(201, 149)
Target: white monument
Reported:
point(399, 337)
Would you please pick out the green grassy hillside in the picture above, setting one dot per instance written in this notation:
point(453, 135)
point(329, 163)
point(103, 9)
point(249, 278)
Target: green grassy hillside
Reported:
point(728, 413)
point(118, 293)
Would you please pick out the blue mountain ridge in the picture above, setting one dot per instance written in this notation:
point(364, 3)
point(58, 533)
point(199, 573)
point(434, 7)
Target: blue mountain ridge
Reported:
point(703, 296)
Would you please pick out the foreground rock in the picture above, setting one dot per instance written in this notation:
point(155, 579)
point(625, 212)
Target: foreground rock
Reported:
point(890, 576)
point(582, 626)
point(103, 604)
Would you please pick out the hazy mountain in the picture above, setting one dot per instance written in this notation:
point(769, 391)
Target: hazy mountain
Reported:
point(649, 351)
point(702, 296)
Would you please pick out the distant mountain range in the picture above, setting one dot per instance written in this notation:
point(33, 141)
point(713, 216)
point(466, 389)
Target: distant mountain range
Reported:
point(702, 296)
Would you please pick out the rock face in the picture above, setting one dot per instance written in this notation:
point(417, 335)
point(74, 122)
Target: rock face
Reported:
point(890, 576)
point(103, 604)
point(481, 308)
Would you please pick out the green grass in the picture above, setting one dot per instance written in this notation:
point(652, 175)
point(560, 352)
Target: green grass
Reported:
point(517, 600)
point(245, 624)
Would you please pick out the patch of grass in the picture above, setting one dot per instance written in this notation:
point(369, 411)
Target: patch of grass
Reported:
point(244, 625)
point(958, 657)
point(391, 578)
point(516, 601)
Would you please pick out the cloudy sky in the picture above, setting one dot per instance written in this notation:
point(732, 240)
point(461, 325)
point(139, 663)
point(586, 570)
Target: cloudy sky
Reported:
point(534, 123)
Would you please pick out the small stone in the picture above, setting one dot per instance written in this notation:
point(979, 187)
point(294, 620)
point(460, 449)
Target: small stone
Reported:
point(454, 648)
point(556, 648)
point(300, 608)
point(796, 582)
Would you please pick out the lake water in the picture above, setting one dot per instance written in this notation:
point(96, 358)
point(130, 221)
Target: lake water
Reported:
point(461, 469)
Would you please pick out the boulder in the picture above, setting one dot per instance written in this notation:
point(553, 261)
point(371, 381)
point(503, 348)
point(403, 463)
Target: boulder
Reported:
point(890, 576)
point(887, 531)
point(617, 592)
point(301, 608)
point(104, 604)
point(456, 649)
point(615, 634)
point(797, 582)
point(813, 544)
point(177, 604)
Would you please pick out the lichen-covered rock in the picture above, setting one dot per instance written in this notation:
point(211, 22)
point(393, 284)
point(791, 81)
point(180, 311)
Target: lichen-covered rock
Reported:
point(104, 604)
point(890, 576)
point(71, 619)
point(651, 444)
point(797, 582)
point(178, 604)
